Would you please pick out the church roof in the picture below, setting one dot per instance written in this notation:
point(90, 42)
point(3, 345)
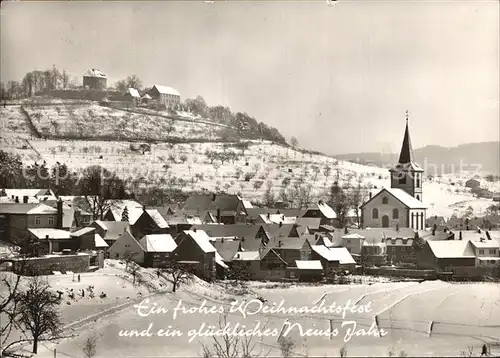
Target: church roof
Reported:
point(402, 196)
point(406, 156)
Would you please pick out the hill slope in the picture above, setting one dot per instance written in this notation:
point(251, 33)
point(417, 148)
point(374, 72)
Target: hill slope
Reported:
point(482, 157)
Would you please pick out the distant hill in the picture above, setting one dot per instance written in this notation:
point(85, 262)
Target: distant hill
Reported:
point(484, 157)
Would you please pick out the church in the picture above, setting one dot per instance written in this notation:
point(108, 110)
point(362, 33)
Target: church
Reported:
point(400, 205)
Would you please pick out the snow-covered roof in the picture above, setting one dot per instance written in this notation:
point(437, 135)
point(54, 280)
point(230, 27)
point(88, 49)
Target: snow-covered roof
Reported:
point(342, 255)
point(309, 265)
point(486, 244)
point(92, 72)
point(158, 243)
point(33, 208)
point(451, 249)
point(166, 90)
point(247, 256)
point(353, 236)
point(158, 219)
point(99, 241)
point(83, 231)
point(220, 261)
point(42, 233)
point(146, 96)
point(277, 218)
point(327, 211)
point(324, 252)
point(202, 240)
point(405, 198)
point(247, 204)
point(133, 92)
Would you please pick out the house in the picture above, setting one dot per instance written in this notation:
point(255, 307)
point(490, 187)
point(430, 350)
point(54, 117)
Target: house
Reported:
point(311, 224)
point(53, 240)
point(146, 98)
point(194, 246)
point(401, 204)
point(272, 266)
point(126, 246)
point(321, 211)
point(472, 183)
point(227, 248)
point(158, 249)
point(249, 261)
point(228, 209)
point(443, 256)
point(307, 271)
point(374, 252)
point(400, 250)
point(275, 219)
point(344, 258)
point(166, 96)
point(180, 223)
point(22, 217)
point(436, 222)
point(110, 231)
point(487, 252)
point(28, 195)
point(353, 243)
point(291, 249)
point(281, 230)
point(88, 239)
point(132, 95)
point(94, 79)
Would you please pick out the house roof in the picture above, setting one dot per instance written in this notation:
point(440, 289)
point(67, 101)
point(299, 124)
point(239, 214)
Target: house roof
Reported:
point(202, 202)
point(311, 223)
point(202, 240)
point(158, 243)
point(277, 218)
point(404, 232)
point(324, 240)
point(227, 249)
point(235, 230)
point(309, 265)
point(157, 218)
point(274, 230)
point(146, 96)
point(250, 244)
point(342, 255)
point(405, 198)
point(268, 250)
point(486, 244)
point(134, 209)
point(133, 93)
point(166, 90)
point(327, 211)
point(247, 256)
point(399, 242)
point(52, 233)
point(18, 208)
point(92, 72)
point(30, 193)
point(451, 249)
point(327, 228)
point(114, 229)
point(324, 252)
point(83, 231)
point(287, 243)
point(99, 241)
point(353, 236)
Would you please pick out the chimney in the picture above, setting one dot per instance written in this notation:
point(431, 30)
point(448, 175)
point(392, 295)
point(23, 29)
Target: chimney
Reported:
point(460, 235)
point(320, 202)
point(434, 231)
point(13, 197)
point(218, 216)
point(370, 195)
point(346, 230)
point(17, 199)
point(59, 217)
point(25, 199)
point(194, 229)
point(488, 235)
point(144, 208)
point(214, 196)
point(46, 236)
point(222, 240)
point(279, 243)
point(268, 215)
point(478, 230)
point(445, 229)
point(281, 224)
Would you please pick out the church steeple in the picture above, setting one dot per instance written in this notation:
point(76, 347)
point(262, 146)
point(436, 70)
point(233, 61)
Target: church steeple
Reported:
point(407, 175)
point(406, 155)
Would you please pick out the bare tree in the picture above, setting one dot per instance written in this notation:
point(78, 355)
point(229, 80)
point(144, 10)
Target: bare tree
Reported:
point(128, 256)
point(90, 347)
point(231, 346)
point(177, 274)
point(134, 271)
point(286, 346)
point(39, 312)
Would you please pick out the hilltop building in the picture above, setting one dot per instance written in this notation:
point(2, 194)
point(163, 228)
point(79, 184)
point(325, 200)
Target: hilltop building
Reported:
point(165, 95)
point(401, 204)
point(94, 80)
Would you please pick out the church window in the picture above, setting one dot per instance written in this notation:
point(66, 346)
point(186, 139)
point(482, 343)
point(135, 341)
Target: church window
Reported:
point(375, 213)
point(395, 214)
point(385, 200)
point(418, 180)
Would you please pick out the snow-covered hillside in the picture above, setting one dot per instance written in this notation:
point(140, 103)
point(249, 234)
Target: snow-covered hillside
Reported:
point(187, 166)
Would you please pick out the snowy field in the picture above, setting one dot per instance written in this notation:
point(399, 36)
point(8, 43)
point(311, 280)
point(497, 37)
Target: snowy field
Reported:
point(463, 316)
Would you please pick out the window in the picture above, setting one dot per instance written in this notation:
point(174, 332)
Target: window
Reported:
point(385, 200)
point(51, 220)
point(375, 213)
point(403, 248)
point(493, 252)
point(37, 220)
point(393, 249)
point(402, 180)
point(418, 180)
point(395, 214)
point(481, 252)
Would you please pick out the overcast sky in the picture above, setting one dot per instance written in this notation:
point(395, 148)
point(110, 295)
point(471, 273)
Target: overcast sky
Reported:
point(339, 78)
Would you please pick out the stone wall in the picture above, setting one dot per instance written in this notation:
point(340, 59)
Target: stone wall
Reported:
point(47, 264)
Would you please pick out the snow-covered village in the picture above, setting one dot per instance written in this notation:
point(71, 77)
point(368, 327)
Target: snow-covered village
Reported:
point(195, 198)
